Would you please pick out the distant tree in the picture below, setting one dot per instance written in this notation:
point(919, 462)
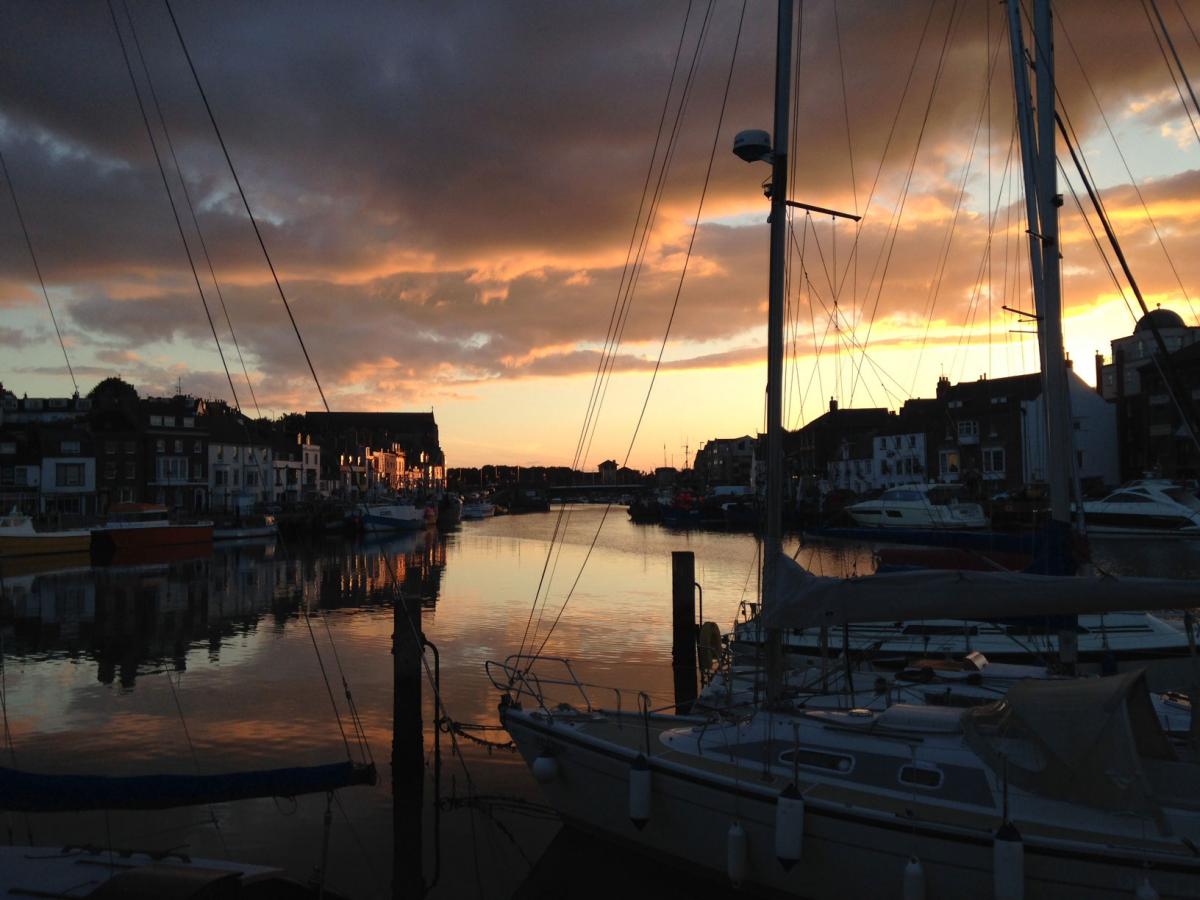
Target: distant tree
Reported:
point(114, 391)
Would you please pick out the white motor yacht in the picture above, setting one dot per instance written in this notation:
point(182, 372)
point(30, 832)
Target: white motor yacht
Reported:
point(1150, 507)
point(919, 506)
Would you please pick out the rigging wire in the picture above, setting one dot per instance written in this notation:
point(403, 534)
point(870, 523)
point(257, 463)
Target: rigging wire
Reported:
point(887, 144)
point(246, 203)
point(1162, 50)
point(12, 192)
point(1174, 53)
point(170, 197)
point(1133, 182)
point(162, 120)
point(624, 300)
point(951, 24)
point(670, 319)
point(1187, 22)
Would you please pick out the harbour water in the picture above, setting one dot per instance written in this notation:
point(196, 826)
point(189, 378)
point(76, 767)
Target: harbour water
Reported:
point(211, 665)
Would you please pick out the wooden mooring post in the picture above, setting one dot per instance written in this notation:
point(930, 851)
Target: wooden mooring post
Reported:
point(683, 628)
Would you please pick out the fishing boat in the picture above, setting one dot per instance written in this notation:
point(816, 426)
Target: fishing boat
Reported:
point(1064, 788)
point(932, 506)
point(18, 538)
point(144, 526)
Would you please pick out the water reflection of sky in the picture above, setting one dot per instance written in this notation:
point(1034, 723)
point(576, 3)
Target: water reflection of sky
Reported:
point(88, 655)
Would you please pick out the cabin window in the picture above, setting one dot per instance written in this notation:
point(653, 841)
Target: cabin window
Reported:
point(922, 776)
point(1127, 497)
point(818, 759)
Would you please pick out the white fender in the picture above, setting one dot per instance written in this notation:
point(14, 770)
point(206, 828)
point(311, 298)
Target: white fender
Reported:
point(545, 768)
point(639, 792)
point(1008, 864)
point(789, 827)
point(914, 880)
point(1146, 891)
point(736, 844)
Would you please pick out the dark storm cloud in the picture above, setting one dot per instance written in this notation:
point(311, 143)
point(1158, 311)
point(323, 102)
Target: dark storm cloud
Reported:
point(448, 188)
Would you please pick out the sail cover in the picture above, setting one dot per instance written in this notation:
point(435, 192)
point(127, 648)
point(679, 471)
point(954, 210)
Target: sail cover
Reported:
point(1088, 740)
point(803, 600)
point(35, 792)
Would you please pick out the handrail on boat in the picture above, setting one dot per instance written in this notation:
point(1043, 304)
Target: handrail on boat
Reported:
point(516, 676)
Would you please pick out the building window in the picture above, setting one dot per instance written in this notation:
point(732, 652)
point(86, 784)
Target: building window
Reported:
point(69, 448)
point(160, 445)
point(156, 421)
point(234, 479)
point(68, 474)
point(189, 422)
point(197, 447)
point(172, 468)
point(129, 471)
point(251, 478)
point(110, 471)
point(8, 448)
point(6, 475)
point(948, 460)
point(130, 447)
point(21, 477)
point(993, 461)
point(968, 429)
point(58, 403)
point(178, 446)
point(110, 447)
point(219, 477)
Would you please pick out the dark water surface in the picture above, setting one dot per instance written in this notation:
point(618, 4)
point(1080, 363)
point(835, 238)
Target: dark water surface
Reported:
point(210, 665)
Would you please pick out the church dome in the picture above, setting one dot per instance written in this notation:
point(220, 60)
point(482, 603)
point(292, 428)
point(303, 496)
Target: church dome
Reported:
point(1160, 318)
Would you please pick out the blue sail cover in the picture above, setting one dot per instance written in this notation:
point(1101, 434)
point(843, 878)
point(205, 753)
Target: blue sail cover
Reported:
point(34, 792)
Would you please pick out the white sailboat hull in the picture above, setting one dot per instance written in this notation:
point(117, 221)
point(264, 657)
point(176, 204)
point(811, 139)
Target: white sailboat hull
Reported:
point(848, 851)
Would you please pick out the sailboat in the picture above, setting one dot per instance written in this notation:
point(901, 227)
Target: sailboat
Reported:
point(1063, 788)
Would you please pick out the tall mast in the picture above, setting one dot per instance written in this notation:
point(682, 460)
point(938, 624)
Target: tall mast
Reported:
point(773, 547)
point(1042, 202)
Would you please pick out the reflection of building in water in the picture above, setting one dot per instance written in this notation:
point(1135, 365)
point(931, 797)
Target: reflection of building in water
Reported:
point(134, 619)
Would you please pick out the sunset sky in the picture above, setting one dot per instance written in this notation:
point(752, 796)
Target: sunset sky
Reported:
point(448, 192)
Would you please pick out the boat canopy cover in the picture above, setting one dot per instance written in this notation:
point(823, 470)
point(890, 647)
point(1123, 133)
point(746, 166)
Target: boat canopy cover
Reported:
point(1084, 740)
point(804, 600)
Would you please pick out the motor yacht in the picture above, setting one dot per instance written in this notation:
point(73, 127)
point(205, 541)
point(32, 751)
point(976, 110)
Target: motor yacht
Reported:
point(919, 506)
point(1149, 507)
